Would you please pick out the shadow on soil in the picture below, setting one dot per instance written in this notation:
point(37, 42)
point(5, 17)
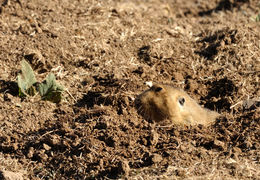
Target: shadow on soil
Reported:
point(144, 54)
point(10, 87)
point(224, 5)
point(93, 98)
point(213, 42)
point(220, 89)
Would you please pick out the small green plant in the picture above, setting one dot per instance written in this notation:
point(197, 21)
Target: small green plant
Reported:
point(257, 19)
point(49, 89)
point(26, 80)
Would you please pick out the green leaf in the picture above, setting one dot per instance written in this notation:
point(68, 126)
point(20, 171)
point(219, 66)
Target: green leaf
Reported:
point(257, 19)
point(50, 90)
point(26, 80)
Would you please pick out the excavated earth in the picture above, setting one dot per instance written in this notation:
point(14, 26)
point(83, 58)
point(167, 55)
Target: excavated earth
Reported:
point(103, 52)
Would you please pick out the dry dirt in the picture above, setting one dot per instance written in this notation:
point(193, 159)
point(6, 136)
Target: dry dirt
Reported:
point(103, 52)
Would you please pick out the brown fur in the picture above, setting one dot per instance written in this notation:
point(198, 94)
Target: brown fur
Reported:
point(162, 102)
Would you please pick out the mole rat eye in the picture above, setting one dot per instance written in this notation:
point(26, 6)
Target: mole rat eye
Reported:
point(181, 101)
point(158, 89)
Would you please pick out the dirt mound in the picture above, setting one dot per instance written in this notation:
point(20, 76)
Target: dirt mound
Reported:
point(103, 52)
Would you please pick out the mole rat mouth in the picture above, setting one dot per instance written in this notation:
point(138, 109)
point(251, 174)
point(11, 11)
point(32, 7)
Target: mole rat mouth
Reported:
point(138, 103)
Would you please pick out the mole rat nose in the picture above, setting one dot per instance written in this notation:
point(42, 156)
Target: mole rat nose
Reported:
point(138, 101)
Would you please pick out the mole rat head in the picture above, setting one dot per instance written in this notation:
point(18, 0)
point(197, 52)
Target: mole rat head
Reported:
point(153, 97)
point(159, 102)
point(169, 96)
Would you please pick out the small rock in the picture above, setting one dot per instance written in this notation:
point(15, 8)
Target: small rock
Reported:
point(46, 147)
point(237, 150)
point(231, 163)
point(251, 104)
point(180, 172)
point(54, 140)
point(178, 76)
point(219, 144)
point(157, 158)
point(101, 164)
point(42, 156)
point(30, 152)
point(9, 175)
point(124, 167)
point(154, 137)
point(15, 146)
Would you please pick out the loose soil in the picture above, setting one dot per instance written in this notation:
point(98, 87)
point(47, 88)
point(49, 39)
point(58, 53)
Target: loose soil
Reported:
point(103, 52)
